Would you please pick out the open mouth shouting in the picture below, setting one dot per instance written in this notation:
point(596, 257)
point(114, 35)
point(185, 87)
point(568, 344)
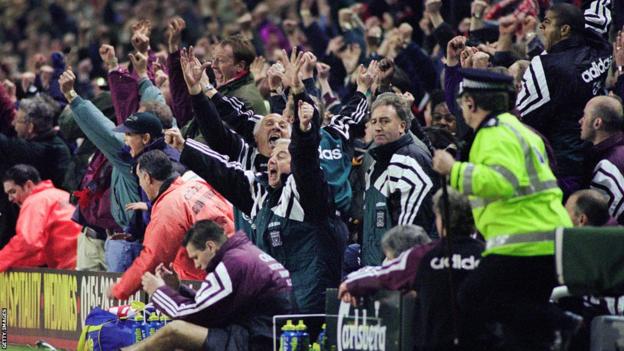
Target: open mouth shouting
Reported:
point(273, 138)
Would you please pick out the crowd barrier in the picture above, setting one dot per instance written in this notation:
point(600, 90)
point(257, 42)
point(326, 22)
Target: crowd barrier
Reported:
point(51, 305)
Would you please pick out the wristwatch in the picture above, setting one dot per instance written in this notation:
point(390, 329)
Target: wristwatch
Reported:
point(208, 87)
point(71, 95)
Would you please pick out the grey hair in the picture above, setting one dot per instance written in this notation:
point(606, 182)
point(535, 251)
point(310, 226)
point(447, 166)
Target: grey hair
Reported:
point(400, 106)
point(402, 237)
point(259, 123)
point(40, 111)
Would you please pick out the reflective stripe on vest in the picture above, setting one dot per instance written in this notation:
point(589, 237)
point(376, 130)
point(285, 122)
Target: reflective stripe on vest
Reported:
point(502, 240)
point(535, 185)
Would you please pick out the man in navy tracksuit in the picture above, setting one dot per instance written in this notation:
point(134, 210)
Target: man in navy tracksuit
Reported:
point(558, 84)
point(233, 309)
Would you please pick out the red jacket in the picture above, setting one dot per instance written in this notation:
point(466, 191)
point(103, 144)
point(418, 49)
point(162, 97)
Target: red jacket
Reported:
point(45, 233)
point(173, 213)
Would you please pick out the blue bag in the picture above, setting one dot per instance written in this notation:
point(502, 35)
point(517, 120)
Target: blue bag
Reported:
point(104, 331)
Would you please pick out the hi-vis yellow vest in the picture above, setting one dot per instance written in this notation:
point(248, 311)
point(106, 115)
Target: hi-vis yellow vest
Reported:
point(511, 188)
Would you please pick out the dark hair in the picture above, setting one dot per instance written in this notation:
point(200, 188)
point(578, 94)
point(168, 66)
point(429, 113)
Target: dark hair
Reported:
point(592, 204)
point(203, 231)
point(461, 222)
point(40, 111)
point(157, 164)
point(570, 15)
point(441, 138)
point(437, 97)
point(20, 174)
point(162, 111)
point(495, 102)
point(242, 49)
point(402, 237)
point(610, 111)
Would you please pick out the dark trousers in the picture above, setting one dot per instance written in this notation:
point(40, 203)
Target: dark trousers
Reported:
point(512, 291)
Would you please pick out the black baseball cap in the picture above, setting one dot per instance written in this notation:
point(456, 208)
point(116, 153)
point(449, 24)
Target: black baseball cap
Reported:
point(141, 123)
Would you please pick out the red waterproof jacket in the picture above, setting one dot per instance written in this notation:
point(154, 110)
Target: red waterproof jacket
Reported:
point(175, 210)
point(45, 232)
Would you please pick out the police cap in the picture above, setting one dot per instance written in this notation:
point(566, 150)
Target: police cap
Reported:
point(485, 81)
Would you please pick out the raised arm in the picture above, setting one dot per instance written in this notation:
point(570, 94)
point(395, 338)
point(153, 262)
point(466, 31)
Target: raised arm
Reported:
point(306, 167)
point(356, 110)
point(218, 136)
point(97, 127)
point(182, 106)
point(228, 178)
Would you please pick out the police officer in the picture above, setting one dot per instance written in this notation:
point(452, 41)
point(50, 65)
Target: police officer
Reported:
point(516, 205)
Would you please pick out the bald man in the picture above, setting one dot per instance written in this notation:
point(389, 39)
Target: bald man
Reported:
point(588, 207)
point(602, 126)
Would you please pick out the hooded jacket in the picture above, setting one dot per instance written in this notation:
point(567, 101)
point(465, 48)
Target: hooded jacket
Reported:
point(177, 207)
point(45, 229)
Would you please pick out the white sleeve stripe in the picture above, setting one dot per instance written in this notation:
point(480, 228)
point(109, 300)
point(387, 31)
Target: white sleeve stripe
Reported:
point(534, 93)
point(418, 187)
point(220, 288)
point(213, 154)
point(166, 305)
point(608, 178)
point(598, 16)
point(360, 111)
point(238, 105)
point(398, 264)
point(406, 173)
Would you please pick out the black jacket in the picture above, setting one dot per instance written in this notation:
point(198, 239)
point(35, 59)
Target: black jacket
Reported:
point(47, 153)
point(555, 89)
point(294, 222)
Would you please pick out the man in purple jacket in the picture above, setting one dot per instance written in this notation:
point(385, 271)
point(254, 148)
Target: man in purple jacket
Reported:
point(602, 126)
point(234, 306)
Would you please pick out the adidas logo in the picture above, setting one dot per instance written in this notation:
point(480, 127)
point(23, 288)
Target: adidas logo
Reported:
point(597, 69)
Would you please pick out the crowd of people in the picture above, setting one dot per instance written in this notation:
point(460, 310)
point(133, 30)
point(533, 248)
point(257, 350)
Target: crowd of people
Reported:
point(275, 149)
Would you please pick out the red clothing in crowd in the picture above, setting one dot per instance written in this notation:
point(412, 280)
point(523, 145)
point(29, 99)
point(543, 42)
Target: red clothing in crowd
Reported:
point(173, 213)
point(45, 233)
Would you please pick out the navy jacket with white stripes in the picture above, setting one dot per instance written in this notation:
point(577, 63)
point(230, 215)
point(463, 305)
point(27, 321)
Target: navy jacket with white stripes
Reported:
point(244, 286)
point(558, 84)
point(399, 188)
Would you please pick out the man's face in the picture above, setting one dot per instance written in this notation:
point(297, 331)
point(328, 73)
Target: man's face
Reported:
point(201, 258)
point(551, 30)
point(16, 193)
point(224, 67)
point(278, 164)
point(145, 182)
point(22, 126)
point(272, 127)
point(570, 206)
point(588, 132)
point(386, 125)
point(136, 142)
point(441, 117)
